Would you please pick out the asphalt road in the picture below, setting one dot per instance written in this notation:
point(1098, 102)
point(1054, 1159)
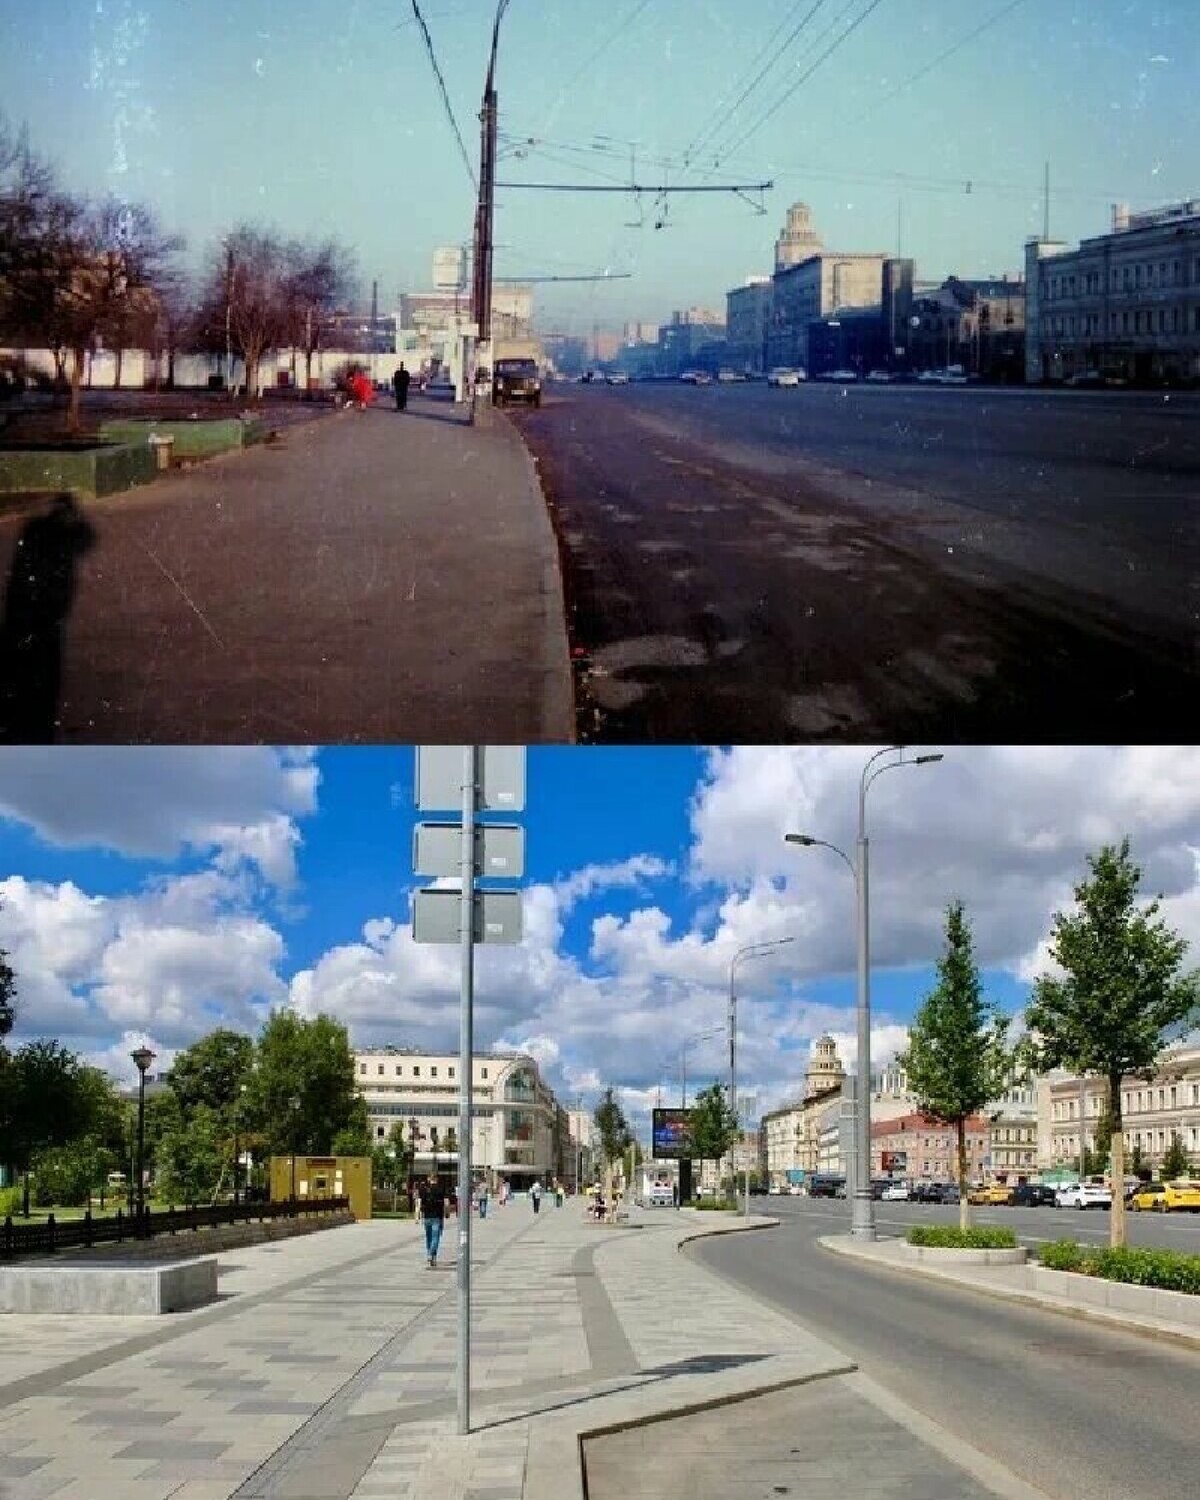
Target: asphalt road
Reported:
point(1075, 1409)
point(827, 563)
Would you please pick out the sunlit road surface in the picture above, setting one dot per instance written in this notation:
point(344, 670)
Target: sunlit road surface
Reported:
point(838, 562)
point(1079, 1411)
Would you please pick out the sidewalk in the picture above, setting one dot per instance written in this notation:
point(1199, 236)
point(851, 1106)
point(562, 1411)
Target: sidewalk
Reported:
point(370, 577)
point(1113, 1303)
point(329, 1371)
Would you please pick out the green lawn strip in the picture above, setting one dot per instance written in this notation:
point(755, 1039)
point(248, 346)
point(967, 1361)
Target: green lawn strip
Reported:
point(1166, 1270)
point(715, 1205)
point(947, 1237)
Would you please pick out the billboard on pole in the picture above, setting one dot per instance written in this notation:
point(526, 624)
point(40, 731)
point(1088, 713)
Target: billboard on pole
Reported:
point(671, 1131)
point(449, 268)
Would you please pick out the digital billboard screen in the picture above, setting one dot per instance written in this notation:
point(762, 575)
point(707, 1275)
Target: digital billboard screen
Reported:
point(672, 1133)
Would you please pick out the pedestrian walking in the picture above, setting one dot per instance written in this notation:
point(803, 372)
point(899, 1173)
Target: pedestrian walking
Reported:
point(559, 1195)
point(400, 383)
point(482, 1200)
point(431, 1204)
point(535, 1196)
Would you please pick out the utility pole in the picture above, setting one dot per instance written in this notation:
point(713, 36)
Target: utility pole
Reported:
point(481, 301)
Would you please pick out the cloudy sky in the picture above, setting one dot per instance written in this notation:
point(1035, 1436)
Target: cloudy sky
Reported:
point(927, 119)
point(156, 893)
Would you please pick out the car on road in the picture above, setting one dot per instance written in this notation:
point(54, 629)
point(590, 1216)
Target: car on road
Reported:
point(729, 377)
point(1150, 1195)
point(696, 377)
point(1086, 380)
point(1083, 1195)
point(1180, 1196)
point(1032, 1195)
point(782, 376)
point(991, 1192)
point(618, 378)
point(896, 1192)
point(879, 377)
point(825, 1185)
point(839, 377)
point(517, 380)
point(775, 1191)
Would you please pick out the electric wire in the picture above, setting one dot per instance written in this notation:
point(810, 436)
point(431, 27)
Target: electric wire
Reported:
point(441, 82)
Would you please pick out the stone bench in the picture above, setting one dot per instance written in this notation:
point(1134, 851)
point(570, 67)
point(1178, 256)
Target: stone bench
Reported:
point(112, 1288)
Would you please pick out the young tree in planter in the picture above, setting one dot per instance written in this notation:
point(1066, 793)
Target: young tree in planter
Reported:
point(714, 1124)
point(1121, 992)
point(1175, 1161)
point(615, 1135)
point(957, 1058)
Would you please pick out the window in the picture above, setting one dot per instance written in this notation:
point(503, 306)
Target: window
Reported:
point(1173, 1102)
point(1196, 1093)
point(450, 1070)
point(380, 1070)
point(1125, 322)
point(1162, 1098)
point(362, 1069)
point(1126, 1099)
point(483, 1073)
point(433, 1071)
point(1137, 276)
point(397, 1070)
point(416, 1070)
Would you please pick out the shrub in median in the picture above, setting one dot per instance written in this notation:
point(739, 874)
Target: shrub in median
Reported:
point(716, 1205)
point(1166, 1270)
point(947, 1237)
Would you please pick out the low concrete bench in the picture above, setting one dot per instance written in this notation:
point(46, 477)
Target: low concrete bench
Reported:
point(118, 1289)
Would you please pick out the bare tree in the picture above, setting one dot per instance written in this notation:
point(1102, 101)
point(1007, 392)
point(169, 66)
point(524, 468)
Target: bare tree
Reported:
point(245, 296)
point(321, 281)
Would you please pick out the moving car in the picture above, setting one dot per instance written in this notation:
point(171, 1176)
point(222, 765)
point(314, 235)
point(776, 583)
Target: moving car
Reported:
point(1084, 1195)
point(517, 380)
point(840, 377)
point(696, 377)
point(729, 377)
point(1149, 1195)
point(895, 1192)
point(1180, 1196)
point(1032, 1195)
point(880, 377)
point(618, 378)
point(782, 376)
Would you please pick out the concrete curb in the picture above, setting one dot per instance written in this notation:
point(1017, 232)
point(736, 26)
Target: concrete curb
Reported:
point(558, 705)
point(1083, 1312)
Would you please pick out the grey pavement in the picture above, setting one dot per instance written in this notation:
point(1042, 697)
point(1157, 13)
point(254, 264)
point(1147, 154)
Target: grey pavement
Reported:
point(370, 577)
point(327, 1371)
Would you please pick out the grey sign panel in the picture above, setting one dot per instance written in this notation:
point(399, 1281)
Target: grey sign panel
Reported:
point(499, 850)
point(501, 786)
point(436, 913)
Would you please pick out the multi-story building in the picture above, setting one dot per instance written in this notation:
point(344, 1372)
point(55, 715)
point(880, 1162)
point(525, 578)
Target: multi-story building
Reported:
point(1153, 1111)
point(519, 1130)
point(743, 1158)
point(792, 1133)
point(979, 325)
point(798, 240)
point(747, 323)
point(695, 337)
point(1126, 303)
point(581, 1132)
point(920, 1149)
point(816, 290)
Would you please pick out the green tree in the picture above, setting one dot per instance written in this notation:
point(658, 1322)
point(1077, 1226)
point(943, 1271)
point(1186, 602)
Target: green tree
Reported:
point(8, 997)
point(1121, 992)
point(615, 1135)
point(212, 1071)
point(311, 1062)
point(191, 1158)
point(714, 1124)
point(45, 1103)
point(957, 1057)
point(1137, 1164)
point(70, 1174)
point(1175, 1162)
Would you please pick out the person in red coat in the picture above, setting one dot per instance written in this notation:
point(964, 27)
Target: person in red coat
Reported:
point(362, 388)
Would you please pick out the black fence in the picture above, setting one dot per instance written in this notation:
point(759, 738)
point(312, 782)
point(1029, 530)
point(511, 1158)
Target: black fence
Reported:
point(74, 1234)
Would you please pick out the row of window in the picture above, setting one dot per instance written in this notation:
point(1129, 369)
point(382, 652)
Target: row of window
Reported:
point(1132, 277)
point(425, 1111)
point(415, 1070)
point(1165, 1096)
point(1143, 320)
point(1148, 1140)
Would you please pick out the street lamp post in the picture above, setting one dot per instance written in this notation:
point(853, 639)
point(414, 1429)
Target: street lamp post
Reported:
point(237, 1124)
point(142, 1057)
point(751, 950)
point(486, 207)
point(294, 1102)
point(413, 1124)
point(862, 1220)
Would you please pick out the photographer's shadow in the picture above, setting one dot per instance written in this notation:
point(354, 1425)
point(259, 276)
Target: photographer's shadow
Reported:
point(37, 601)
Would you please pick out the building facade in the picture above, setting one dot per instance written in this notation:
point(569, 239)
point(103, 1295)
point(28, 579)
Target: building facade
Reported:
point(693, 339)
point(815, 290)
point(1126, 303)
point(1153, 1112)
point(978, 325)
point(919, 1149)
point(747, 323)
point(791, 1134)
point(798, 240)
point(519, 1131)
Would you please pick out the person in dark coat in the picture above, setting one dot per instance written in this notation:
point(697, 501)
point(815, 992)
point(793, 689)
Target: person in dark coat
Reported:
point(400, 382)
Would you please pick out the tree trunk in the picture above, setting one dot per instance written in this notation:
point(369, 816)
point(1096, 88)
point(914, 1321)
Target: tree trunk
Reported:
point(308, 354)
point(964, 1208)
point(77, 356)
point(1116, 1218)
point(120, 353)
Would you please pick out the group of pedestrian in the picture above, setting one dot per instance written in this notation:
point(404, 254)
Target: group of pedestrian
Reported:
point(434, 1205)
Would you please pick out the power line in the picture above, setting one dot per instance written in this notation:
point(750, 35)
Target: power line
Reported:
point(712, 131)
point(618, 31)
point(804, 77)
point(656, 190)
point(437, 73)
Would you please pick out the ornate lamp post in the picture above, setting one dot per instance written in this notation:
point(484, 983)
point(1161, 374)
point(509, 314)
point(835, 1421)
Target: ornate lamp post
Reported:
point(142, 1057)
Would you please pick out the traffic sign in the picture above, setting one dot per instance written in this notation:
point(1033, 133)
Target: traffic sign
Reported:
point(499, 850)
point(500, 780)
point(437, 916)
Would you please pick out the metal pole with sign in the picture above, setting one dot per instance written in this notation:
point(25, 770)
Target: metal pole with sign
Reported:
point(469, 779)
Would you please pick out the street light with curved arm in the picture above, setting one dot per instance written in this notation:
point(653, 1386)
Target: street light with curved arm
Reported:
point(862, 1220)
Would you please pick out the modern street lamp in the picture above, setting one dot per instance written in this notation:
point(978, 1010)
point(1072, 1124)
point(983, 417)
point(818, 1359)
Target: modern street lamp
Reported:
point(862, 1219)
point(294, 1103)
point(237, 1123)
point(142, 1057)
point(751, 950)
point(700, 1036)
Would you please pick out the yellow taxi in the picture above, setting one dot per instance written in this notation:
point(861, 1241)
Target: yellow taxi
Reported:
point(1149, 1195)
point(1181, 1196)
point(992, 1192)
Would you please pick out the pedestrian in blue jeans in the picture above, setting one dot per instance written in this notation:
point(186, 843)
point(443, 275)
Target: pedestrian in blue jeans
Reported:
point(431, 1200)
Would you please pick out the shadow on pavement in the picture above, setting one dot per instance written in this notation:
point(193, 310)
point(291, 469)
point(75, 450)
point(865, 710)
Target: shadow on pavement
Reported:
point(37, 601)
point(456, 416)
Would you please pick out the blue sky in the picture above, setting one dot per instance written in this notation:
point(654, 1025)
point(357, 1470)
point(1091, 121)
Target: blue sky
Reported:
point(153, 893)
point(325, 117)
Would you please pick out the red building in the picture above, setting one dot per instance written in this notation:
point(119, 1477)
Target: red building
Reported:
point(917, 1148)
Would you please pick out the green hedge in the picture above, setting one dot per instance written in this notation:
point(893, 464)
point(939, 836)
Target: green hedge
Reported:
point(1168, 1270)
point(947, 1237)
point(717, 1205)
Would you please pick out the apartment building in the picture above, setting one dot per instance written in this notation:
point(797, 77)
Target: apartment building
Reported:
point(917, 1148)
point(747, 323)
point(820, 287)
point(1153, 1111)
point(791, 1134)
point(518, 1128)
point(1126, 303)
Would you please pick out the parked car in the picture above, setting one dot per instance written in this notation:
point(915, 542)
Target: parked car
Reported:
point(517, 380)
point(877, 1186)
point(1083, 1195)
point(840, 377)
point(618, 378)
point(1032, 1195)
point(1148, 1195)
point(991, 1192)
point(880, 377)
point(895, 1192)
point(775, 1190)
point(825, 1185)
point(782, 376)
point(1168, 1197)
point(947, 1192)
point(729, 377)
